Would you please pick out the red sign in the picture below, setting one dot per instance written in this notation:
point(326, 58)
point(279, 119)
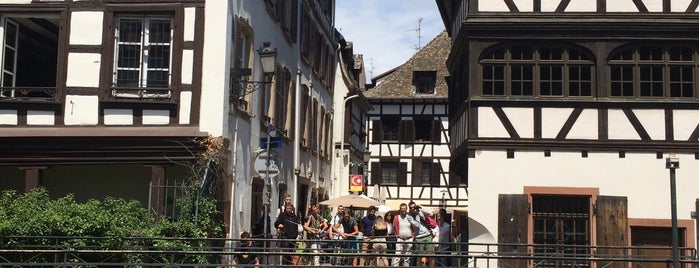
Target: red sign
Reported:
point(356, 183)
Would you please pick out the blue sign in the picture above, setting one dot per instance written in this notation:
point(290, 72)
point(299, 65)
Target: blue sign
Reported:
point(274, 142)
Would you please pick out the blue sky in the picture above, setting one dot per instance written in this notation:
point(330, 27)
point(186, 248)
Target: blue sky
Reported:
point(383, 30)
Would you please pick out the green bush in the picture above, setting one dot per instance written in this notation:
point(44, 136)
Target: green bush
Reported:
point(33, 220)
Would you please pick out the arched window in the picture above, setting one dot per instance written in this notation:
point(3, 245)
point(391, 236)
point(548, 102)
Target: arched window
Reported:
point(653, 71)
point(525, 70)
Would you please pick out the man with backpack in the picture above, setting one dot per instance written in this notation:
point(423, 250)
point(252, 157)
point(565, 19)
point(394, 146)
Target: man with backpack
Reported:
point(423, 233)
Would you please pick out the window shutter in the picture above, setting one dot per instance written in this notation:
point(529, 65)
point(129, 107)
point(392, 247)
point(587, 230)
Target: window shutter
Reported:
point(348, 126)
point(417, 178)
point(377, 132)
point(436, 131)
point(406, 131)
point(375, 173)
point(402, 179)
point(612, 223)
point(513, 227)
point(436, 172)
point(410, 131)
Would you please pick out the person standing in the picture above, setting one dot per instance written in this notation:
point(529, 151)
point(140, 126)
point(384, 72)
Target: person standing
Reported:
point(335, 234)
point(444, 236)
point(404, 239)
point(390, 235)
point(314, 226)
point(287, 223)
point(423, 234)
point(350, 230)
point(366, 226)
point(379, 241)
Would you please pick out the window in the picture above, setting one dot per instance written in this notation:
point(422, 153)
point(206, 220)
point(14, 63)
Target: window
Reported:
point(422, 172)
point(523, 70)
point(423, 130)
point(653, 72)
point(142, 57)
point(424, 81)
point(389, 172)
point(561, 221)
point(390, 128)
point(29, 55)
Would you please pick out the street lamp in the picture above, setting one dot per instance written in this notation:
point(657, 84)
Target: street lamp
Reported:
point(268, 62)
point(672, 163)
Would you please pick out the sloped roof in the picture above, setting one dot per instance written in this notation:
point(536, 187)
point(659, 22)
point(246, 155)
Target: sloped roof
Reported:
point(399, 83)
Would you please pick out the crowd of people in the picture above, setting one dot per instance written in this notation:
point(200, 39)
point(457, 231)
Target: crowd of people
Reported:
point(407, 237)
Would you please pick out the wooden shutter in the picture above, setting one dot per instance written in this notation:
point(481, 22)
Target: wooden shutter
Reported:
point(375, 173)
point(612, 225)
point(513, 228)
point(349, 127)
point(402, 179)
point(417, 178)
point(406, 131)
point(436, 131)
point(377, 131)
point(436, 173)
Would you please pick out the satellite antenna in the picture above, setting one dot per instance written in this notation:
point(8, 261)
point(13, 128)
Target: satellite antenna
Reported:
point(419, 36)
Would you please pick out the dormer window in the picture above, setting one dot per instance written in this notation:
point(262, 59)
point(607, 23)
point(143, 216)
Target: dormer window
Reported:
point(424, 81)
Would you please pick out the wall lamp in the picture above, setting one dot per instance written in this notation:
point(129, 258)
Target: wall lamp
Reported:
point(268, 62)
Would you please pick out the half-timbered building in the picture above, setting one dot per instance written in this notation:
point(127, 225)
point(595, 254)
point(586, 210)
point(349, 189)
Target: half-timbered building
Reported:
point(562, 114)
point(107, 97)
point(409, 134)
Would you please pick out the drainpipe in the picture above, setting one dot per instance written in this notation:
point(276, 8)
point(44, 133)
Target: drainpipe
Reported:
point(297, 131)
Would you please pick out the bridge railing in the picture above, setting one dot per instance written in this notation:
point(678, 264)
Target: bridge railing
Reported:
point(193, 252)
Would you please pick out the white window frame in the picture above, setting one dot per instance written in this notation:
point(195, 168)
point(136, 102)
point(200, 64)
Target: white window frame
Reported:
point(143, 67)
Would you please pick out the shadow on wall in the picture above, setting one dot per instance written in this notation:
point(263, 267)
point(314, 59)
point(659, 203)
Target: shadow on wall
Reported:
point(478, 233)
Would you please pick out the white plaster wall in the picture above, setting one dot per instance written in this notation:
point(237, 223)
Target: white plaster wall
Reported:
point(8, 117)
point(406, 149)
point(581, 6)
point(118, 117)
point(83, 70)
point(522, 120)
point(640, 177)
point(493, 5)
point(16, 1)
point(156, 117)
point(684, 123)
point(586, 126)
point(393, 148)
point(81, 110)
point(620, 127)
point(679, 5)
point(189, 20)
point(187, 66)
point(214, 96)
point(552, 120)
point(41, 118)
point(86, 28)
point(653, 121)
point(185, 107)
point(654, 5)
point(442, 151)
point(489, 124)
point(621, 6)
point(524, 5)
point(390, 109)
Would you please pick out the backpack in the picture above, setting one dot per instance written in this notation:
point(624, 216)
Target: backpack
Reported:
point(429, 222)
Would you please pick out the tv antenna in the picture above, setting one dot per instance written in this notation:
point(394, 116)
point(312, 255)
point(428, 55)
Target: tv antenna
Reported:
point(419, 35)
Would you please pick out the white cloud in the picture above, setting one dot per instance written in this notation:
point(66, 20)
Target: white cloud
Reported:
point(384, 30)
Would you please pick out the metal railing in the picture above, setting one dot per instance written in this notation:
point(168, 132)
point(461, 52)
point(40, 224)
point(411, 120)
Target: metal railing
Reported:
point(192, 252)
